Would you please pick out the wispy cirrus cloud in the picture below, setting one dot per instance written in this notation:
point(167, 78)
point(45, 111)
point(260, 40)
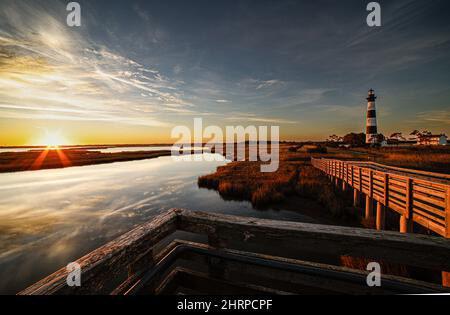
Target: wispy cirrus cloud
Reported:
point(249, 117)
point(440, 117)
point(50, 71)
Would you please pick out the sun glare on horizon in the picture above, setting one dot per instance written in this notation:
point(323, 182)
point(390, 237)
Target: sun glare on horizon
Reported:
point(52, 140)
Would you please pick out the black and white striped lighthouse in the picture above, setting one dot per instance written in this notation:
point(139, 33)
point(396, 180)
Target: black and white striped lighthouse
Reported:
point(371, 131)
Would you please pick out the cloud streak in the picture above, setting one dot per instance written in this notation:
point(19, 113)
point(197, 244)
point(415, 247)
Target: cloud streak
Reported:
point(49, 71)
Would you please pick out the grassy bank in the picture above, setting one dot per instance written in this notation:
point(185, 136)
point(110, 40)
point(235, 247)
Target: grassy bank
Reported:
point(50, 159)
point(432, 159)
point(294, 178)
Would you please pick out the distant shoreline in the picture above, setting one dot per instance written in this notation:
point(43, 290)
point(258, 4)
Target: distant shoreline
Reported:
point(53, 159)
point(87, 146)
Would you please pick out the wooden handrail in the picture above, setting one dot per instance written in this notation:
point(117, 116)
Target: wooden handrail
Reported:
point(116, 257)
point(421, 197)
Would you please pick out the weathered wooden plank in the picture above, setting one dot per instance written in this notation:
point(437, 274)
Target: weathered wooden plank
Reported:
point(393, 187)
point(378, 177)
point(268, 275)
point(416, 250)
point(399, 183)
point(378, 190)
point(428, 191)
point(98, 266)
point(400, 198)
point(429, 224)
point(422, 206)
point(428, 184)
point(378, 185)
point(430, 217)
point(400, 209)
point(436, 202)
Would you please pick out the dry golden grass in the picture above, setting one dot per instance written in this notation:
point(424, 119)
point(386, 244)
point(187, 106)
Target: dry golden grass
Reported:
point(432, 159)
point(295, 176)
point(435, 162)
point(313, 184)
point(243, 180)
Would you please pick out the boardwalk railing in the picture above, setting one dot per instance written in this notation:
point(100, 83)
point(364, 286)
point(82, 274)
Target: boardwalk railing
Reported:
point(416, 196)
point(136, 262)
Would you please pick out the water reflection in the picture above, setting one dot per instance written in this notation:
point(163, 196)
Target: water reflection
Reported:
point(137, 149)
point(51, 217)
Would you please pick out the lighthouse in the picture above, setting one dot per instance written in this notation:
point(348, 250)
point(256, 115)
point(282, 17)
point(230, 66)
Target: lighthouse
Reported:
point(371, 130)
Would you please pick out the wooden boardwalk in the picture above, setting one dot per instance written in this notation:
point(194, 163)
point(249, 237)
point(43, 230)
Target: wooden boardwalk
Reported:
point(420, 197)
point(417, 196)
point(138, 262)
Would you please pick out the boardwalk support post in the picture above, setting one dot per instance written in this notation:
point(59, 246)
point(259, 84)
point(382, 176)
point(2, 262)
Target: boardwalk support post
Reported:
point(446, 275)
point(381, 215)
point(406, 219)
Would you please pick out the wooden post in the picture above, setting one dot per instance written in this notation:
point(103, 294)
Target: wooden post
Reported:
point(353, 176)
point(406, 220)
point(447, 213)
point(381, 215)
point(360, 179)
point(369, 207)
point(446, 275)
point(386, 190)
point(403, 224)
point(347, 174)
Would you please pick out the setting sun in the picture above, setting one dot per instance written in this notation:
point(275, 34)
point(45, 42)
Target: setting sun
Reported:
point(52, 140)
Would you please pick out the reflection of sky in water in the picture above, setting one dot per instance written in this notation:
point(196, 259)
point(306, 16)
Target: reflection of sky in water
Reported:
point(136, 149)
point(51, 217)
point(11, 150)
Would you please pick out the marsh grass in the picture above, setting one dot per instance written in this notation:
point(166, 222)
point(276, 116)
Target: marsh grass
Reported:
point(426, 158)
point(295, 176)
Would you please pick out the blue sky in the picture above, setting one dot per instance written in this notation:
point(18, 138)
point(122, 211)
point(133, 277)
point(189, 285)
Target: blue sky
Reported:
point(146, 66)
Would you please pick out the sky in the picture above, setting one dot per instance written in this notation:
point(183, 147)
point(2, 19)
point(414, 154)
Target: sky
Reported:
point(136, 69)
